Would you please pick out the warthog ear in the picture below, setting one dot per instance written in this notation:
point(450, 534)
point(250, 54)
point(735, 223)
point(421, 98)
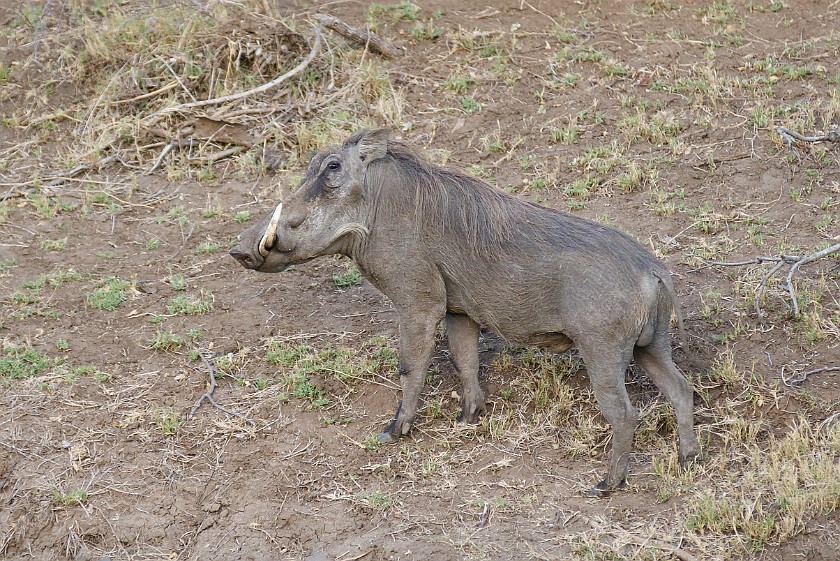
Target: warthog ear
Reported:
point(373, 144)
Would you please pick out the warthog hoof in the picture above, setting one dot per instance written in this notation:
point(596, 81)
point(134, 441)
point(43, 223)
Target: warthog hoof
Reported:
point(691, 459)
point(395, 428)
point(393, 432)
point(386, 438)
point(601, 491)
point(471, 413)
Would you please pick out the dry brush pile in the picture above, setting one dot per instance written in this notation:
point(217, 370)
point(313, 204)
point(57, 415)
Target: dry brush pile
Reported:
point(174, 87)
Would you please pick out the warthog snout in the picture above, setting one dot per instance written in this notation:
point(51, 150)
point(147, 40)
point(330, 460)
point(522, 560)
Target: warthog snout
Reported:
point(270, 245)
point(244, 259)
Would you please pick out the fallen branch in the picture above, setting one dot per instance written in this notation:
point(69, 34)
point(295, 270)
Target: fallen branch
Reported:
point(259, 89)
point(366, 38)
point(800, 378)
point(208, 395)
point(795, 262)
point(140, 97)
point(754, 261)
point(788, 136)
point(232, 151)
point(177, 144)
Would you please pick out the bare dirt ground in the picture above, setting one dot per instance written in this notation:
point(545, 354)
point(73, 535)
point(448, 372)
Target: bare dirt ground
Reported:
point(119, 298)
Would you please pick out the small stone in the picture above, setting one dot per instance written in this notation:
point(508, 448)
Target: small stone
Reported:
point(146, 288)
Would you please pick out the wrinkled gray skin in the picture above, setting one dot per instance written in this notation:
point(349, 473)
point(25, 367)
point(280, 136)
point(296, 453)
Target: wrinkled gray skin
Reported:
point(442, 245)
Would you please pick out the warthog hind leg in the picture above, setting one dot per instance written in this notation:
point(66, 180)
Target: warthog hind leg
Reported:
point(656, 360)
point(463, 351)
point(606, 375)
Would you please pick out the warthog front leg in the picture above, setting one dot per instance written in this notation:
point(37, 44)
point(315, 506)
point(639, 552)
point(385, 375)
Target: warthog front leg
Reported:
point(417, 345)
point(463, 351)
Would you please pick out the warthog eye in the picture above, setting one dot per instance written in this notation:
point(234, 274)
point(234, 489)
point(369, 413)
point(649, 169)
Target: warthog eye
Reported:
point(333, 166)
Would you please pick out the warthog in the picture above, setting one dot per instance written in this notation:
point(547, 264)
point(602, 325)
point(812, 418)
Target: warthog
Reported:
point(443, 245)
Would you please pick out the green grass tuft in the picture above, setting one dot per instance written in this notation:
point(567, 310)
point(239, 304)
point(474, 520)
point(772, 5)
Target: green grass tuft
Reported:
point(22, 361)
point(191, 304)
point(109, 294)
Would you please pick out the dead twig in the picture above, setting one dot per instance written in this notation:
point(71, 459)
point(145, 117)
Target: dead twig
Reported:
point(166, 150)
point(754, 261)
point(357, 557)
point(371, 40)
point(804, 261)
point(800, 378)
point(759, 295)
point(488, 12)
point(794, 261)
point(485, 515)
point(140, 97)
point(680, 554)
point(177, 78)
point(208, 395)
point(259, 89)
point(232, 151)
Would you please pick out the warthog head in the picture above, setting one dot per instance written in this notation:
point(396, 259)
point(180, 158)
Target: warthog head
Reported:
point(323, 216)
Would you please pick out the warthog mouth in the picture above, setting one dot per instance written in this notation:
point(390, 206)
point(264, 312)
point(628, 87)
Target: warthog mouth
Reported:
point(270, 235)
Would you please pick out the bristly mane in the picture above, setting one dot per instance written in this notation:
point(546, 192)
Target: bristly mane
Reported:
point(456, 205)
point(458, 209)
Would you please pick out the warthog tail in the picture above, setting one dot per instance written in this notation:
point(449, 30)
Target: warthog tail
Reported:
point(675, 307)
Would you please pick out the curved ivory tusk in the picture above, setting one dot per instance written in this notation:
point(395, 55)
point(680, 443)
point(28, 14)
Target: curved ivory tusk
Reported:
point(270, 235)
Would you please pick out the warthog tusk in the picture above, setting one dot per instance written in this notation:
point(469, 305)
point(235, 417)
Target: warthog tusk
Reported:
point(270, 235)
